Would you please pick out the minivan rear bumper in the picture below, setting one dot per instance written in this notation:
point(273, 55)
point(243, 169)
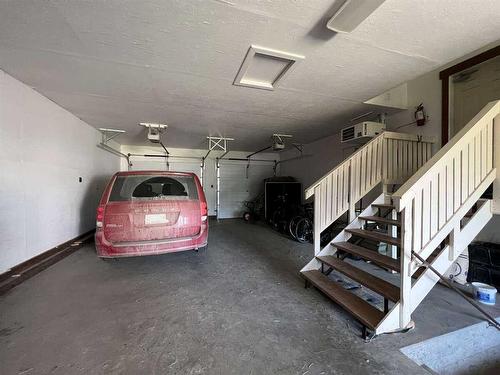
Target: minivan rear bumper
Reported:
point(106, 249)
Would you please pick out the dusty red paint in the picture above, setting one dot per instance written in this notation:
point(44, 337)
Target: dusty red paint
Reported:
point(125, 233)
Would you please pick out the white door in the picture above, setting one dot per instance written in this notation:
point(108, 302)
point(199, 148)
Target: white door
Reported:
point(240, 182)
point(472, 90)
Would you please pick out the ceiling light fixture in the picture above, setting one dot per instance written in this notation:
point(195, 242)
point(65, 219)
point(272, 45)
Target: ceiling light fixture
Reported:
point(351, 14)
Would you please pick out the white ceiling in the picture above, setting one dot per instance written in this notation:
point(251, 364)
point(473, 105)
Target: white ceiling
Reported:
point(117, 63)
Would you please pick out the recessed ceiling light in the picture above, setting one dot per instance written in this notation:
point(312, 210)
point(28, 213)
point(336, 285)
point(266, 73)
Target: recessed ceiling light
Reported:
point(351, 14)
point(265, 68)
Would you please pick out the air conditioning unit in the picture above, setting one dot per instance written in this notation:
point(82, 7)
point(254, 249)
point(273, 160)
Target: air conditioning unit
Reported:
point(361, 132)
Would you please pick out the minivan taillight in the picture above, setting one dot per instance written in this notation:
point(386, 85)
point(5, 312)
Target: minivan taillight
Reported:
point(204, 211)
point(99, 216)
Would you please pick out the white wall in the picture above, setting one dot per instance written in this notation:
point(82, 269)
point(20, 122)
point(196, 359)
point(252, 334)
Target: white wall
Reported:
point(317, 159)
point(44, 151)
point(424, 89)
point(427, 89)
point(209, 174)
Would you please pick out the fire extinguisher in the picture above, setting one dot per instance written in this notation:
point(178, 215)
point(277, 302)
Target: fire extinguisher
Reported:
point(420, 115)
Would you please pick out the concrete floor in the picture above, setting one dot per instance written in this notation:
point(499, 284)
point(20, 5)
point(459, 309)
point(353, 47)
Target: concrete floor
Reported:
point(240, 308)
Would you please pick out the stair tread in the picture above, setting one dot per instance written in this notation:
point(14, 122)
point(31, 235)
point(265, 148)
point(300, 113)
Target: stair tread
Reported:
point(380, 219)
point(381, 237)
point(366, 313)
point(383, 205)
point(381, 260)
point(372, 282)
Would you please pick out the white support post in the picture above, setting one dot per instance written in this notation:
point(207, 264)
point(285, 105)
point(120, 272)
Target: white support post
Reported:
point(454, 245)
point(385, 190)
point(217, 193)
point(393, 232)
point(352, 212)
point(317, 221)
point(494, 143)
point(405, 298)
point(352, 203)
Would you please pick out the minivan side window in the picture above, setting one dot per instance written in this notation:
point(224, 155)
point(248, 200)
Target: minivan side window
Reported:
point(150, 187)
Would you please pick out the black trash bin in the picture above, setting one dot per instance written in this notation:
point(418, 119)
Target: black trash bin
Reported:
point(484, 263)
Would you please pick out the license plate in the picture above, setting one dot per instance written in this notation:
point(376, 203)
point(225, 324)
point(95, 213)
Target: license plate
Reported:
point(155, 219)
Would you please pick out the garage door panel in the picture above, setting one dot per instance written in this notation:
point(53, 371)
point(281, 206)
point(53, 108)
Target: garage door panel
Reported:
point(182, 165)
point(191, 167)
point(148, 165)
point(238, 184)
point(153, 164)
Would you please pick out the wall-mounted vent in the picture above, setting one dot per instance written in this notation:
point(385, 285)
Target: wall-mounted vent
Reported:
point(265, 68)
point(348, 133)
point(361, 132)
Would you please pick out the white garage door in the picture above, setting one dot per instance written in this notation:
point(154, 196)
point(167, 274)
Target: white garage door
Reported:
point(140, 163)
point(238, 184)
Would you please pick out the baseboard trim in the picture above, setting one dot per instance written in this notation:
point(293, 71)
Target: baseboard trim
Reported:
point(29, 268)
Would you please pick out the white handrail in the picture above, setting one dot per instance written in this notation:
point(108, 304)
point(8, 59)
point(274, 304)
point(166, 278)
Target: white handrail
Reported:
point(427, 140)
point(487, 114)
point(440, 189)
point(390, 157)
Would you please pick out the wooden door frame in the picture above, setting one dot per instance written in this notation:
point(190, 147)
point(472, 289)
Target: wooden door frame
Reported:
point(445, 75)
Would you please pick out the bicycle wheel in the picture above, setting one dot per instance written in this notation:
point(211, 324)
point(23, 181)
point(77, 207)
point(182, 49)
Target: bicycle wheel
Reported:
point(275, 221)
point(292, 226)
point(304, 230)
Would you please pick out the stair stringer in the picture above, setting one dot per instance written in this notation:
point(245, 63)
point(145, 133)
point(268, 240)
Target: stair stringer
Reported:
point(343, 236)
point(424, 284)
point(450, 254)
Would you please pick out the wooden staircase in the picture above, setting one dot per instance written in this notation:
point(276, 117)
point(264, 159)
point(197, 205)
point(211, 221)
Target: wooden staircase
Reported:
point(436, 213)
point(366, 313)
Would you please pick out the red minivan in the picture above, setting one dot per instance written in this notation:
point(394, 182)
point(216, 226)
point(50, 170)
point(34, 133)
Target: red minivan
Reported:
point(151, 212)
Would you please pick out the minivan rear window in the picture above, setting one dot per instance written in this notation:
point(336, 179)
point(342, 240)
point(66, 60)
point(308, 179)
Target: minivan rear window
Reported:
point(148, 187)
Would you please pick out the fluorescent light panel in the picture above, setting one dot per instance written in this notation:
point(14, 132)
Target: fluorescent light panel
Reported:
point(351, 14)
